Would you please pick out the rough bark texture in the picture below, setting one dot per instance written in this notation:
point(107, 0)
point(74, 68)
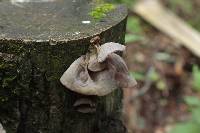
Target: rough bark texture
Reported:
point(32, 99)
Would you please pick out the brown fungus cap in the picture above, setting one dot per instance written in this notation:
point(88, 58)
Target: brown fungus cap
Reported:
point(109, 48)
point(99, 75)
point(78, 79)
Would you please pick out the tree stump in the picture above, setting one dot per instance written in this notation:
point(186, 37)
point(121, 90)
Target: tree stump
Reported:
point(38, 42)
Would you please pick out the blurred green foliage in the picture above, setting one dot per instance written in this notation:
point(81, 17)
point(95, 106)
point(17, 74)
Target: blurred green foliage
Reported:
point(158, 81)
point(134, 30)
point(185, 5)
point(153, 76)
point(196, 78)
point(192, 125)
point(188, 10)
point(134, 25)
point(127, 2)
point(133, 38)
point(138, 75)
point(188, 127)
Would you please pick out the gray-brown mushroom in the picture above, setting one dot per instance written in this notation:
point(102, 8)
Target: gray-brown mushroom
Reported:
point(109, 48)
point(120, 70)
point(94, 65)
point(98, 73)
point(78, 79)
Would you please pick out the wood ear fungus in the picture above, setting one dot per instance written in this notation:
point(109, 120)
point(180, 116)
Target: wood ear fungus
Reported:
point(109, 48)
point(99, 75)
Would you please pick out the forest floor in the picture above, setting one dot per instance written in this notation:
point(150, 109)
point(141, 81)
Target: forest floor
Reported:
point(173, 68)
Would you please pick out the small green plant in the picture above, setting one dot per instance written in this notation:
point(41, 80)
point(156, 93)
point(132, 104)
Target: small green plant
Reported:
point(196, 78)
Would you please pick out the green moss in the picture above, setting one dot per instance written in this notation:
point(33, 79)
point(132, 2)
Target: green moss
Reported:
point(100, 11)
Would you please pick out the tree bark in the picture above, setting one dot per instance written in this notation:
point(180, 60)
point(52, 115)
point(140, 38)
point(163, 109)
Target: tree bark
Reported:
point(32, 99)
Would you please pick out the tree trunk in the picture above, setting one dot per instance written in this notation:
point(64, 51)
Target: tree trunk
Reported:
point(38, 42)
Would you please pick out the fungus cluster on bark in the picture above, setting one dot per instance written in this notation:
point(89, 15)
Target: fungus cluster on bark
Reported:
point(99, 72)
